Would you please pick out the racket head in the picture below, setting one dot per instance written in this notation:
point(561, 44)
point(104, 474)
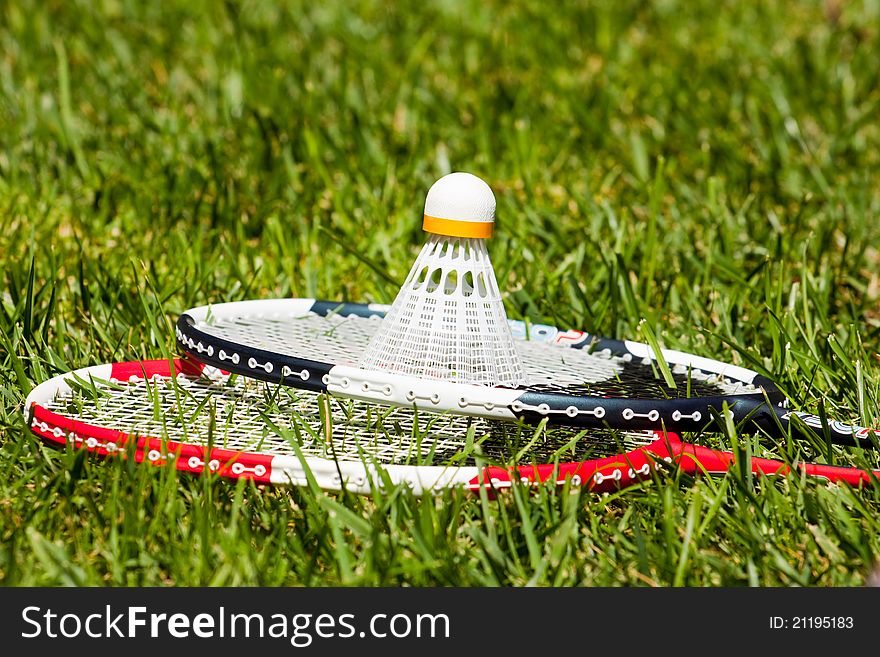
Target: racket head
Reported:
point(575, 378)
point(200, 419)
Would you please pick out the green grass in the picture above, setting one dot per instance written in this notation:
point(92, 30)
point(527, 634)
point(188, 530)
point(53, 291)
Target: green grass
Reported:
point(704, 173)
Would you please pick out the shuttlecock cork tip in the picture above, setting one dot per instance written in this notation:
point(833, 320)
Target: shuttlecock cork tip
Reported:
point(460, 205)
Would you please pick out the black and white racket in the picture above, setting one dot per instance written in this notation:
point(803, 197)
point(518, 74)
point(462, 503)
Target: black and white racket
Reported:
point(199, 419)
point(574, 378)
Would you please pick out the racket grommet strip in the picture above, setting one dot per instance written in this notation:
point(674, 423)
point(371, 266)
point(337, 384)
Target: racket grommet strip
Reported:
point(628, 414)
point(434, 398)
point(303, 374)
point(643, 470)
point(267, 367)
point(234, 358)
point(546, 410)
point(600, 478)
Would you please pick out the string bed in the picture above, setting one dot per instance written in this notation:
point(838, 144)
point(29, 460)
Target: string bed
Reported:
point(341, 340)
point(246, 415)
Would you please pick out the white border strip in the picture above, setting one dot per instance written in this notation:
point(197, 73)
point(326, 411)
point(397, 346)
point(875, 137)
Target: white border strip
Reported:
point(695, 362)
point(437, 396)
point(58, 385)
point(364, 479)
point(264, 307)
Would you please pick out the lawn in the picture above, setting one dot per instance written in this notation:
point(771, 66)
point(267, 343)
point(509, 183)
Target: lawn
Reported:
point(709, 171)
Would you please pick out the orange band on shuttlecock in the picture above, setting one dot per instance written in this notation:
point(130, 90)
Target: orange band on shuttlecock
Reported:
point(456, 228)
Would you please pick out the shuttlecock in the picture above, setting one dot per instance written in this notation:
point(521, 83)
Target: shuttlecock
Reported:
point(448, 320)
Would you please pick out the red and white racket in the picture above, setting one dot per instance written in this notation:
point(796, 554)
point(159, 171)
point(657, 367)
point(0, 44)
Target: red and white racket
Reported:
point(198, 418)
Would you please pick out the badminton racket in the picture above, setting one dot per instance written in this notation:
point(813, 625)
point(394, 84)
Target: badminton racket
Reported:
point(574, 378)
point(200, 419)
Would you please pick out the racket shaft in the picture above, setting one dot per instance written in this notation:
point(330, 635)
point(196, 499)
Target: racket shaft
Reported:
point(695, 459)
point(623, 470)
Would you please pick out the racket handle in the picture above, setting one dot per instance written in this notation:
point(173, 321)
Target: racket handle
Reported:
point(622, 470)
point(839, 433)
point(837, 473)
point(703, 459)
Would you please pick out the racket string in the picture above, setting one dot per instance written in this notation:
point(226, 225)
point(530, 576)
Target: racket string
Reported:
point(245, 415)
point(342, 340)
